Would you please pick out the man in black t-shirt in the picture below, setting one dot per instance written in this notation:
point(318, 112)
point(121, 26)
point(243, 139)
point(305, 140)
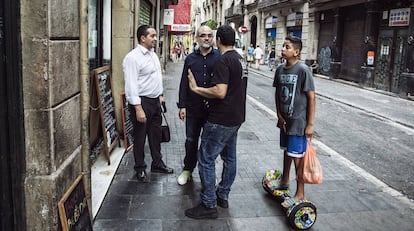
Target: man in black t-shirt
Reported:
point(226, 113)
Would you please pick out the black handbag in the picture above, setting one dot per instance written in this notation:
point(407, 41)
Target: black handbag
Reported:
point(165, 130)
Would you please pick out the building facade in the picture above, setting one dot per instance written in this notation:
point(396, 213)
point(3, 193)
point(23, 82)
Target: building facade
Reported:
point(364, 41)
point(367, 42)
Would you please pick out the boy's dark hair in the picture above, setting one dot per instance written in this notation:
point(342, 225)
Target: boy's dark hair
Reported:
point(227, 35)
point(142, 31)
point(297, 42)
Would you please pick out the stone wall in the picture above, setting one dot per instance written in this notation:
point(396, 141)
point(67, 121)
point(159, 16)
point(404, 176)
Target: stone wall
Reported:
point(51, 91)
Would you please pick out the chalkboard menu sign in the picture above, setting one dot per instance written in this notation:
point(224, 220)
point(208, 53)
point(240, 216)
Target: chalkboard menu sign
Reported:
point(102, 78)
point(73, 208)
point(128, 127)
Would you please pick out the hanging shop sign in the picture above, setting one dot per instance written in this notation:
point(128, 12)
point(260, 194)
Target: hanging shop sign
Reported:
point(294, 19)
point(271, 22)
point(399, 17)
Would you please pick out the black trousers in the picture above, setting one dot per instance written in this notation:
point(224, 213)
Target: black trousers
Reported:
point(150, 129)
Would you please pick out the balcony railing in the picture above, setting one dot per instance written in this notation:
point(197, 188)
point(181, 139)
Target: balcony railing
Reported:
point(234, 11)
point(266, 3)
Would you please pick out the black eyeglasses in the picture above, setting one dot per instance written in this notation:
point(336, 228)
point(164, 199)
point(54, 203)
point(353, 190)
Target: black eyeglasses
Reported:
point(205, 35)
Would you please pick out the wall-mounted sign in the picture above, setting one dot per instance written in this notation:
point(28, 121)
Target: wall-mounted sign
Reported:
point(370, 58)
point(385, 14)
point(294, 19)
point(271, 22)
point(168, 16)
point(399, 17)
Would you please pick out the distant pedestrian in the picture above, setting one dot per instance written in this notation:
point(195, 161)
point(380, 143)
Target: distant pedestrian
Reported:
point(175, 52)
point(143, 90)
point(272, 61)
point(181, 51)
point(250, 58)
point(258, 56)
point(295, 105)
point(227, 109)
point(193, 108)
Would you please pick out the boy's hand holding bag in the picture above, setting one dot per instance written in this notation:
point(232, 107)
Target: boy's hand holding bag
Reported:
point(310, 170)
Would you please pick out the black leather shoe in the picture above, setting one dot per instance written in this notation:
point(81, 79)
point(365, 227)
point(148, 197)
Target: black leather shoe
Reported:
point(162, 169)
point(222, 203)
point(142, 175)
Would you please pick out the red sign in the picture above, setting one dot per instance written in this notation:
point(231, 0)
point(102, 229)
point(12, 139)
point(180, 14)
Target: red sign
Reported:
point(243, 29)
point(182, 15)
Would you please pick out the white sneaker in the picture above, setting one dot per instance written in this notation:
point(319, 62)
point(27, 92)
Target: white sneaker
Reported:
point(184, 177)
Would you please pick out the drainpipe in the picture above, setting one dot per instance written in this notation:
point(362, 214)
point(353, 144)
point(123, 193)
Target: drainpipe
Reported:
point(135, 23)
point(84, 98)
point(157, 26)
point(338, 32)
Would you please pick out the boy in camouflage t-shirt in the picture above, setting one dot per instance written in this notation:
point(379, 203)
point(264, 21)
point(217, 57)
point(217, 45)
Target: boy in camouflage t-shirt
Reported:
point(295, 105)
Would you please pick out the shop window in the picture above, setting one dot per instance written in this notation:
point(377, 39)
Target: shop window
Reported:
point(99, 36)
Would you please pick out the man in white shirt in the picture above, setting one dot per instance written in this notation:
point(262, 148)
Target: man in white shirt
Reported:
point(143, 91)
point(258, 55)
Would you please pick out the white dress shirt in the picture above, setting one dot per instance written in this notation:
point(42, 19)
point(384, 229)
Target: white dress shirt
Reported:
point(142, 74)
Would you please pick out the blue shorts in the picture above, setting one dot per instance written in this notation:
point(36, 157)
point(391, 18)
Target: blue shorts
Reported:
point(294, 145)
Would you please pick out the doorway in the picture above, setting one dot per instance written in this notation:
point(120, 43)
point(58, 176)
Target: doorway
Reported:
point(391, 54)
point(253, 29)
point(11, 120)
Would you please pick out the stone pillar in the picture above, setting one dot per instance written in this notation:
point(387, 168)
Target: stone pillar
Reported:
point(408, 73)
point(370, 40)
point(338, 36)
point(305, 33)
point(123, 35)
point(310, 34)
point(260, 30)
point(51, 96)
point(246, 37)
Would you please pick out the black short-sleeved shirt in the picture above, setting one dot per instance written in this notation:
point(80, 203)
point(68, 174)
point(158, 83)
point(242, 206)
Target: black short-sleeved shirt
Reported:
point(230, 111)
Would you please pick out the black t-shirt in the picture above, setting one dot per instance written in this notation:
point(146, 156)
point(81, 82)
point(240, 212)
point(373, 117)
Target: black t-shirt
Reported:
point(230, 111)
point(272, 55)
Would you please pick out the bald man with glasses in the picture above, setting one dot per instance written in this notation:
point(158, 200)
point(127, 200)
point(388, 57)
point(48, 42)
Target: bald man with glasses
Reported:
point(192, 107)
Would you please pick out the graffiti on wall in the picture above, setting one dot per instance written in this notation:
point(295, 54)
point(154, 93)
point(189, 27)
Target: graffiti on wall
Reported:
point(324, 60)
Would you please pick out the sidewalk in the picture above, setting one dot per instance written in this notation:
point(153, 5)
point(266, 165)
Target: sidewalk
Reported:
point(343, 204)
